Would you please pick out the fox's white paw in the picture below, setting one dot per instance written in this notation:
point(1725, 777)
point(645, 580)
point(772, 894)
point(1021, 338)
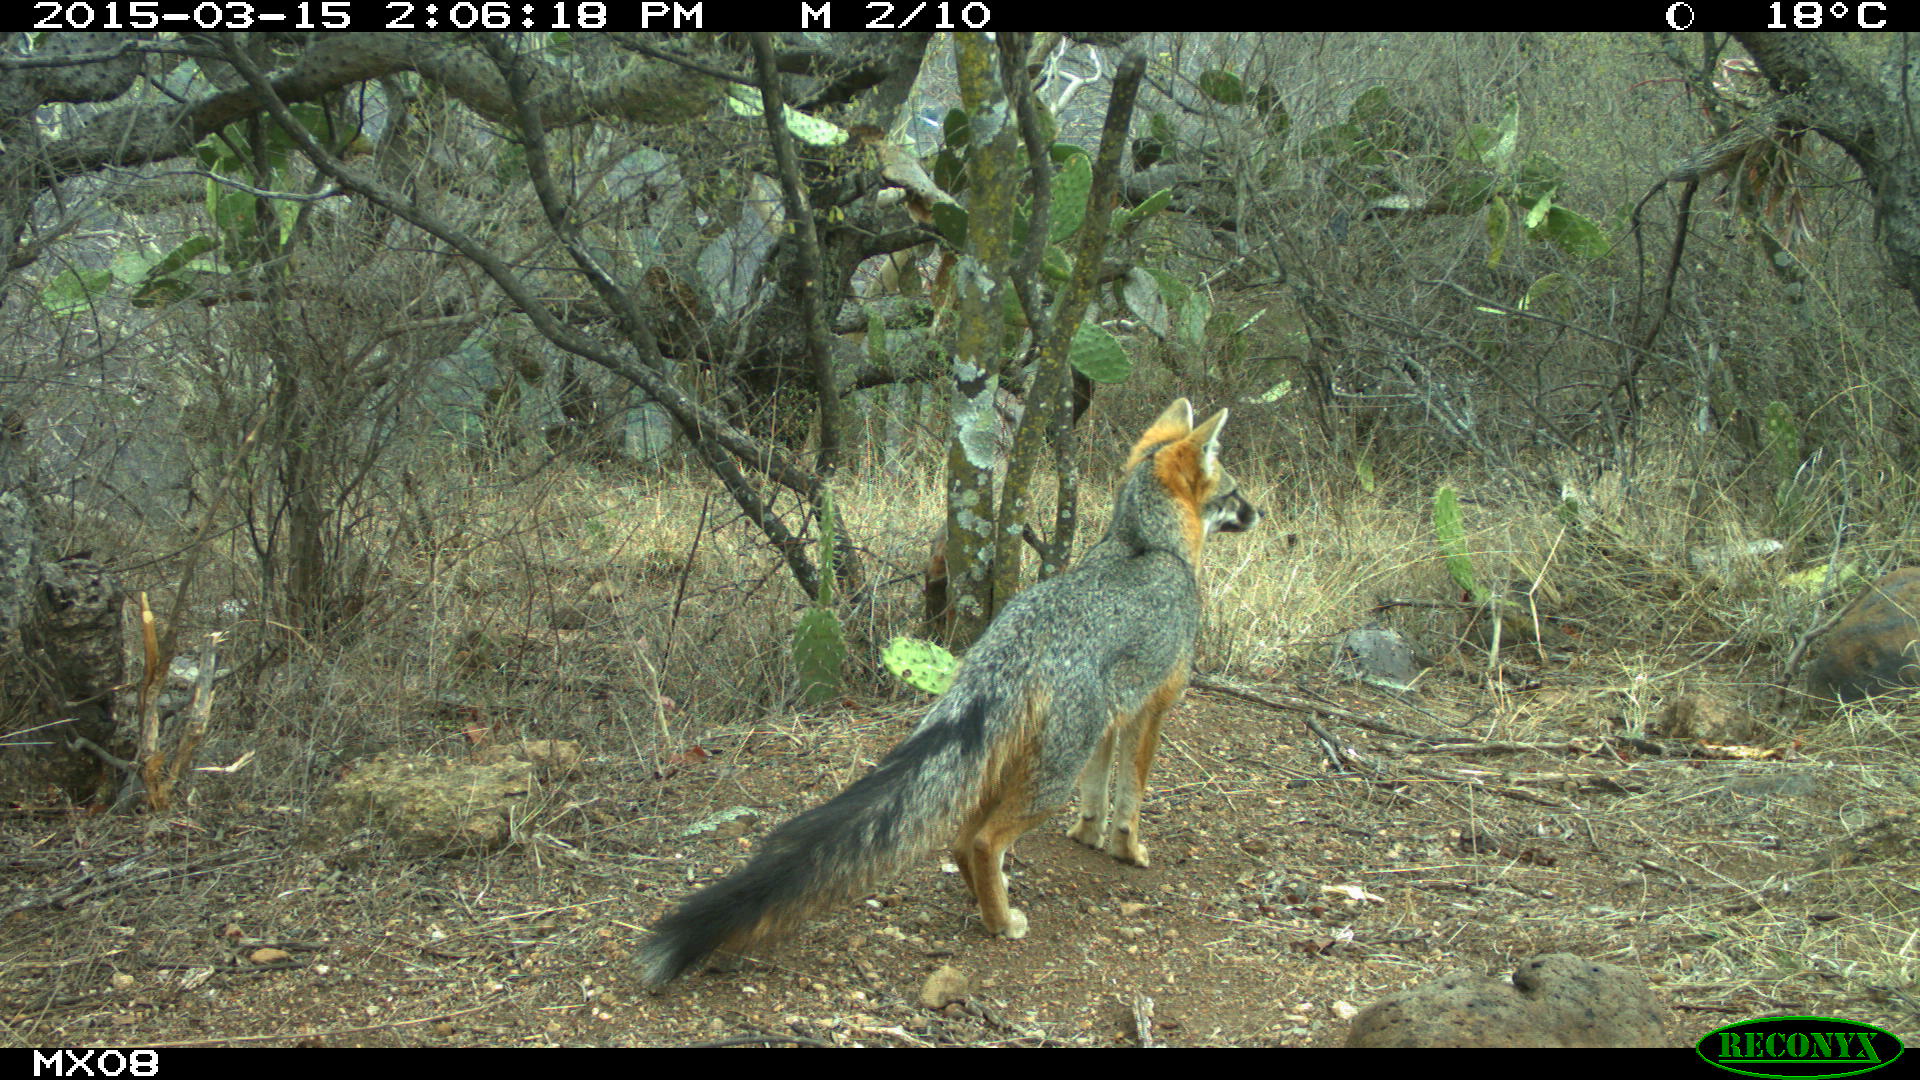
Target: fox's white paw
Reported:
point(1016, 924)
point(1088, 833)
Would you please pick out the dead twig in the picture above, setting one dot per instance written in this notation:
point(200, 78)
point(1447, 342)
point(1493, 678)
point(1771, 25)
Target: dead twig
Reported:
point(121, 875)
point(1294, 704)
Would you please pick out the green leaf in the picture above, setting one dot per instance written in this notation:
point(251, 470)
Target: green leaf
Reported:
point(1190, 320)
point(920, 664)
point(957, 130)
point(1451, 533)
point(1012, 316)
point(812, 130)
point(1223, 86)
point(1064, 152)
point(1363, 468)
point(1095, 354)
point(1537, 213)
point(133, 264)
point(1539, 178)
point(950, 172)
point(1070, 189)
point(190, 249)
point(1783, 440)
point(1275, 392)
point(877, 339)
point(1575, 234)
point(951, 220)
point(819, 649)
point(1166, 305)
point(287, 213)
point(215, 155)
point(746, 101)
point(161, 290)
point(1334, 140)
point(819, 645)
point(1056, 264)
point(1144, 294)
point(1466, 193)
point(1152, 296)
point(1474, 142)
point(1172, 289)
point(827, 524)
point(74, 291)
point(231, 212)
point(1154, 203)
point(1254, 318)
point(1501, 153)
point(1268, 104)
point(1493, 146)
point(1813, 579)
point(281, 146)
point(1373, 104)
point(1549, 287)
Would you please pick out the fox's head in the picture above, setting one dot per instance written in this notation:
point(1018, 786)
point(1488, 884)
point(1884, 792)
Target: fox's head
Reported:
point(1175, 491)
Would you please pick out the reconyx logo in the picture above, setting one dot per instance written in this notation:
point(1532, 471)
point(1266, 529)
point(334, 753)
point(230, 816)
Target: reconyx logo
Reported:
point(1799, 1047)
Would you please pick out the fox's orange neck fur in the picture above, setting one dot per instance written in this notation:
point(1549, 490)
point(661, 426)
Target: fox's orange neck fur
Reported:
point(1180, 470)
point(1177, 465)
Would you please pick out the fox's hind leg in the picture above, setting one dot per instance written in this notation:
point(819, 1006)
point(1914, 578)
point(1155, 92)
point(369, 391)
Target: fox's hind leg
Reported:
point(963, 845)
point(981, 852)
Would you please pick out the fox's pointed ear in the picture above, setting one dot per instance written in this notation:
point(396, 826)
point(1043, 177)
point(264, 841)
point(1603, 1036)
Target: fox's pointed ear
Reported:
point(1173, 425)
point(1179, 414)
point(1209, 433)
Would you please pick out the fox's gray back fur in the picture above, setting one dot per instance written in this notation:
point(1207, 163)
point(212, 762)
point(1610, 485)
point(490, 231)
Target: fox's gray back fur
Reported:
point(1057, 664)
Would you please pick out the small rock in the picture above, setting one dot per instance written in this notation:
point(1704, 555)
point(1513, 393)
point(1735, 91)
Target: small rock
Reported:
point(1776, 784)
point(946, 985)
point(553, 756)
point(429, 806)
point(1556, 999)
point(1720, 561)
point(725, 824)
point(568, 617)
point(1706, 718)
point(1376, 655)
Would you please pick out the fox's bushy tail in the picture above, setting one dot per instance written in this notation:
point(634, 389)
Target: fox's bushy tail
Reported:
point(835, 851)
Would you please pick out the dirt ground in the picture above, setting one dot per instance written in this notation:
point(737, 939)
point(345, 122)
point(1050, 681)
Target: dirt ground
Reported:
point(1282, 895)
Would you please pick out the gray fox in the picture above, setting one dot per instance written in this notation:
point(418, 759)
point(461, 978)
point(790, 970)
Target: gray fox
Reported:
point(1068, 684)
